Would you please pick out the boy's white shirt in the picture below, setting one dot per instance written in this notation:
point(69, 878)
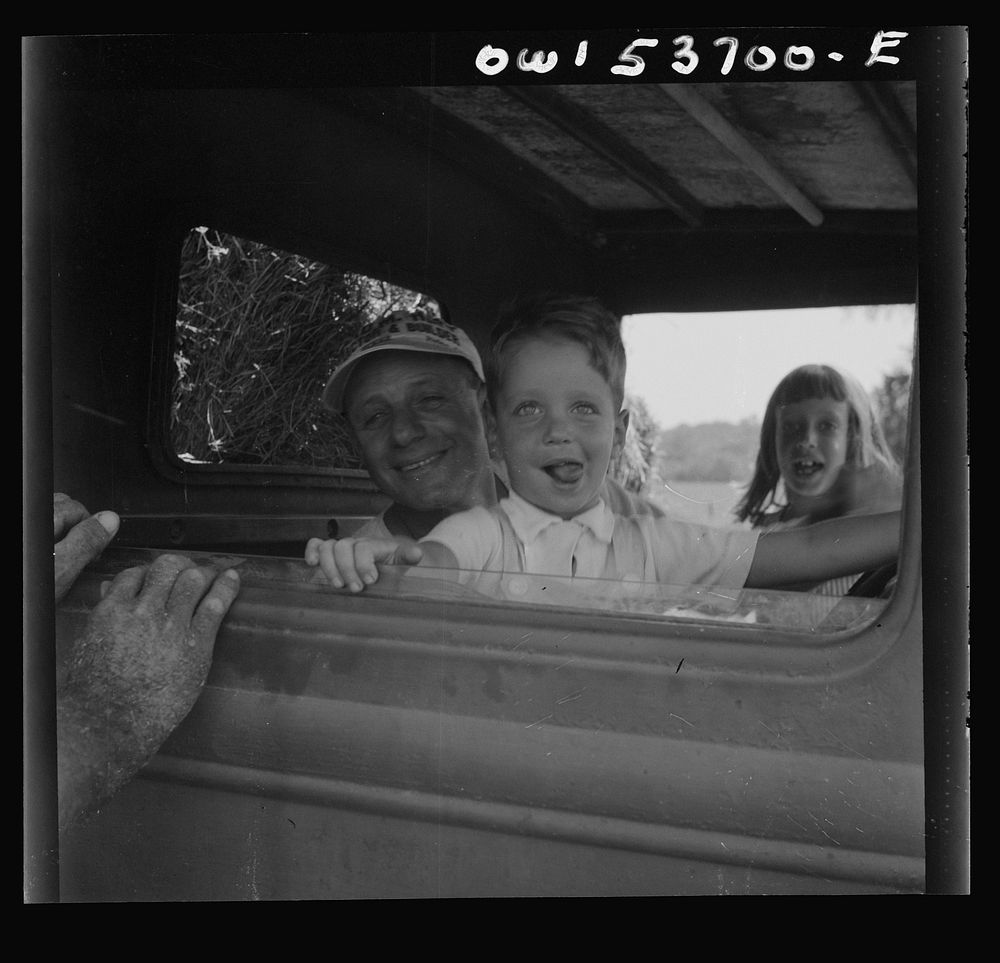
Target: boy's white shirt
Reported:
point(652, 548)
point(551, 543)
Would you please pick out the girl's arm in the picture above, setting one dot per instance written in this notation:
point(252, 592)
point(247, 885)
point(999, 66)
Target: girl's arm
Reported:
point(840, 546)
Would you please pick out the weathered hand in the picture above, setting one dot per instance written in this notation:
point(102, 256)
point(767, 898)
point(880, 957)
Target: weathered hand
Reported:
point(135, 672)
point(79, 539)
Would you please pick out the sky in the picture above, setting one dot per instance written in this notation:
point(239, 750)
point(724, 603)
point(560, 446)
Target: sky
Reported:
point(692, 369)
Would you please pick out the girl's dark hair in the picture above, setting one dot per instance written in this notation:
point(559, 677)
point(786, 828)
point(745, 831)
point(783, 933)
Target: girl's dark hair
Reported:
point(866, 444)
point(575, 317)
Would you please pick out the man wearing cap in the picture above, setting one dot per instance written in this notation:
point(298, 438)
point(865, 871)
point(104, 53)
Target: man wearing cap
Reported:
point(412, 390)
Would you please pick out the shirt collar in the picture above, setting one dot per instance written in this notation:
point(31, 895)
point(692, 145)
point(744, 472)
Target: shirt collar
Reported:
point(529, 521)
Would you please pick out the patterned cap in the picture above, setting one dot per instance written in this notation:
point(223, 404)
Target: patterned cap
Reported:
point(401, 331)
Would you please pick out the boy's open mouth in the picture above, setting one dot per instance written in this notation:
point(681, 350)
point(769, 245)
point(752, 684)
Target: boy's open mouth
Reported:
point(805, 467)
point(564, 472)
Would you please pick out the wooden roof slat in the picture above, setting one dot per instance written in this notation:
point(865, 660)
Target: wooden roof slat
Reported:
point(748, 220)
point(439, 129)
point(588, 130)
point(727, 135)
point(896, 126)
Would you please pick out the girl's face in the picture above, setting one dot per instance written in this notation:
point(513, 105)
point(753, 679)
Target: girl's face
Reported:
point(811, 445)
point(557, 425)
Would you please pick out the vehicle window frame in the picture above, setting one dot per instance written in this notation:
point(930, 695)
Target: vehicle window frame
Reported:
point(166, 461)
point(358, 480)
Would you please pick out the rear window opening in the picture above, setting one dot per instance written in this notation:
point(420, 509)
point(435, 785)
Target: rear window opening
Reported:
point(258, 333)
point(259, 330)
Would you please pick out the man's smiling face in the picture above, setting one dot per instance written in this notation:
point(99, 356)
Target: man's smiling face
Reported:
point(418, 420)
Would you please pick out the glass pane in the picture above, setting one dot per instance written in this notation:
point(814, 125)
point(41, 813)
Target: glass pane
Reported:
point(796, 611)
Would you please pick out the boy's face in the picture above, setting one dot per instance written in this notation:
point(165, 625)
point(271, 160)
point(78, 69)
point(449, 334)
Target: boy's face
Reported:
point(811, 445)
point(557, 424)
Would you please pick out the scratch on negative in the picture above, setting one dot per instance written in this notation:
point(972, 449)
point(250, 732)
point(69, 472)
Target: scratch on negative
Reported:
point(99, 414)
point(769, 729)
point(561, 664)
point(674, 714)
point(854, 804)
point(538, 722)
point(847, 747)
point(722, 595)
point(797, 823)
point(571, 698)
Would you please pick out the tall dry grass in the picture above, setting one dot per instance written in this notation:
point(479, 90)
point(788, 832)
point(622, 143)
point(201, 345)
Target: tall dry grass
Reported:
point(259, 332)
